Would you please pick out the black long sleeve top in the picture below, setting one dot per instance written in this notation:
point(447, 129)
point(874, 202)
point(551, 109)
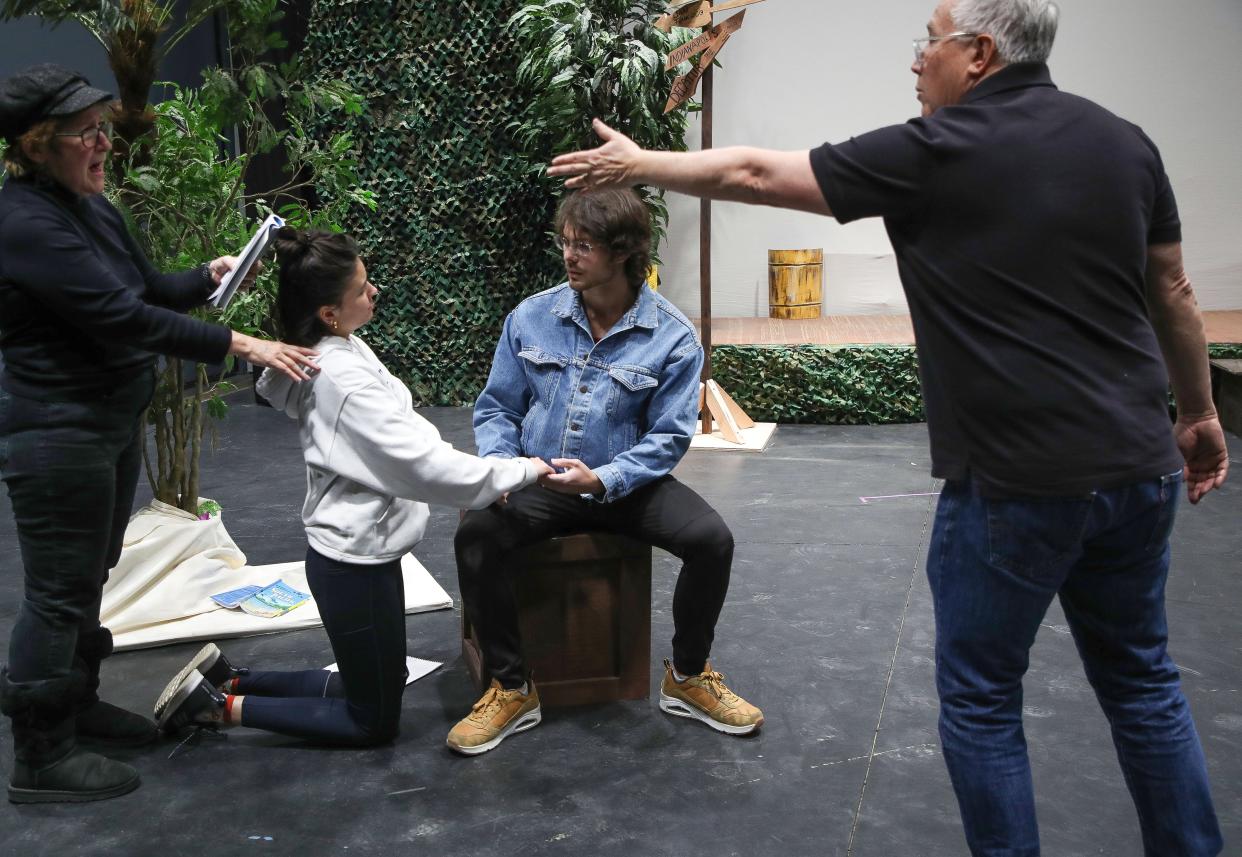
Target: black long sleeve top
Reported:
point(81, 308)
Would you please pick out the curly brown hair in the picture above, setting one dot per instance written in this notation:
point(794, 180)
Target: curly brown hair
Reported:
point(615, 217)
point(18, 163)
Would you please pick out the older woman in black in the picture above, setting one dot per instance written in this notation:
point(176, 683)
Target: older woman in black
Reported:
point(82, 316)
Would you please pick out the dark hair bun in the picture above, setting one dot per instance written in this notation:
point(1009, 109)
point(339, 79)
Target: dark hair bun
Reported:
point(291, 245)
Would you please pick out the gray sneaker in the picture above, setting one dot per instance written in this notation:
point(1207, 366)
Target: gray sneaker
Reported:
point(194, 702)
point(213, 666)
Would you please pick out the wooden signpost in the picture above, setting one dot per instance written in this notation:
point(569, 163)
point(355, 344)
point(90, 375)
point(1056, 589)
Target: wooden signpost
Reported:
point(714, 401)
point(710, 44)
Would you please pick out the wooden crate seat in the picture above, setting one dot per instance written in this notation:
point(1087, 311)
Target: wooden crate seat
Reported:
point(584, 606)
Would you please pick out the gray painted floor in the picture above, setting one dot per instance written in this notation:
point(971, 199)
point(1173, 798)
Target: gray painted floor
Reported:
point(827, 626)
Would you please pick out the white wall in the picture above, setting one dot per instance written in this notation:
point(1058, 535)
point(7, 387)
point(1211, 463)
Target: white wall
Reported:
point(802, 72)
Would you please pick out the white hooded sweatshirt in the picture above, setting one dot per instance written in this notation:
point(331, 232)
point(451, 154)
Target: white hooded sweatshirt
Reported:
point(372, 463)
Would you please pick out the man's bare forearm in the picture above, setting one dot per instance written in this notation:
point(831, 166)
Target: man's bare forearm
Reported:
point(1179, 328)
point(726, 174)
point(735, 174)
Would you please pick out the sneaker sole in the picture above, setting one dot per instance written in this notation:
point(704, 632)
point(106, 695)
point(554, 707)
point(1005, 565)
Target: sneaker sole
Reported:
point(208, 654)
point(677, 708)
point(17, 795)
point(179, 695)
point(529, 720)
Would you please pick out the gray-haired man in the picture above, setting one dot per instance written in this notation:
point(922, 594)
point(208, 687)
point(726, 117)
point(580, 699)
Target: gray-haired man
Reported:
point(1039, 246)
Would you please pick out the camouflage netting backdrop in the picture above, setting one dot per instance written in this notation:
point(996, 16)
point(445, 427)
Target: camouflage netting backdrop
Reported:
point(459, 237)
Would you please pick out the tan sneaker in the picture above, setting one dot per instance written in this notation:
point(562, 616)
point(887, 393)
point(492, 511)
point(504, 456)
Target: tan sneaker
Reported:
point(497, 715)
point(705, 697)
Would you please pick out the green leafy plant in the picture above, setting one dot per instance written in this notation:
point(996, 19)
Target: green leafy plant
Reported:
point(188, 202)
point(187, 197)
point(598, 58)
point(136, 35)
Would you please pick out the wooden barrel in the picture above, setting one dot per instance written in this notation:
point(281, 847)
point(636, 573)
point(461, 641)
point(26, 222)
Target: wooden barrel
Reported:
point(795, 283)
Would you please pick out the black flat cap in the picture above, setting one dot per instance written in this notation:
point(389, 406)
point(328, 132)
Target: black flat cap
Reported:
point(40, 92)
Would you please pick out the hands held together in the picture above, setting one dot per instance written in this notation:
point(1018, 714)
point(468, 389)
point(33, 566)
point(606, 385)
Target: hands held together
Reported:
point(573, 477)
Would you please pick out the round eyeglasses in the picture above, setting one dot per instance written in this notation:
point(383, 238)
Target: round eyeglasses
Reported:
point(89, 136)
point(576, 248)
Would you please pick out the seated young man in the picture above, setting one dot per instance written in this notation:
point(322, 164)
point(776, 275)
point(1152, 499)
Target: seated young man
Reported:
point(598, 376)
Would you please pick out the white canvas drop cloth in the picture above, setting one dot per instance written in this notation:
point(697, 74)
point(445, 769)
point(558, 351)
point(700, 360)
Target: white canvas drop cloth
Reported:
point(172, 563)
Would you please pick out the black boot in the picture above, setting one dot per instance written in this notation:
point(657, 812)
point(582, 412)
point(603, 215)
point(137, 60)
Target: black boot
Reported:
point(211, 663)
point(101, 723)
point(106, 725)
point(49, 767)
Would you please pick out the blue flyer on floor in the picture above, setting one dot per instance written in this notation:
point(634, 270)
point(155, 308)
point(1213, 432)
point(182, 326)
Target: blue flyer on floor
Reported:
point(234, 597)
point(269, 601)
point(274, 600)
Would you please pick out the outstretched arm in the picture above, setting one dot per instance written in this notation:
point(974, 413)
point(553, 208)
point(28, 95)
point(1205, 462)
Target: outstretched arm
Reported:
point(736, 174)
point(1179, 328)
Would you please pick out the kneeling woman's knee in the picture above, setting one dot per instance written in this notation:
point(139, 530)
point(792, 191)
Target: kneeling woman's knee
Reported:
point(378, 737)
point(376, 730)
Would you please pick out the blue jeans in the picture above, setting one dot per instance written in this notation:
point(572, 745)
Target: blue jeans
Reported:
point(363, 611)
point(994, 566)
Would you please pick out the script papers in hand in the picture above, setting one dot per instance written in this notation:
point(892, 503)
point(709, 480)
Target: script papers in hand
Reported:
point(245, 261)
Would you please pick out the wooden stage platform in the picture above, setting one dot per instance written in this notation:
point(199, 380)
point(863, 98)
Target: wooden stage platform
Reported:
point(1221, 325)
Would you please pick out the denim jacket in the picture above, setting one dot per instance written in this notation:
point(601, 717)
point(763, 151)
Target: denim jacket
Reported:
point(626, 406)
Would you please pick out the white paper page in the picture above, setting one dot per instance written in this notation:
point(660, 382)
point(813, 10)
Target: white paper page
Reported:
point(245, 260)
point(417, 667)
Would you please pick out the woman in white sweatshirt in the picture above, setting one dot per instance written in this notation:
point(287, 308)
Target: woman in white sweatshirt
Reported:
point(372, 465)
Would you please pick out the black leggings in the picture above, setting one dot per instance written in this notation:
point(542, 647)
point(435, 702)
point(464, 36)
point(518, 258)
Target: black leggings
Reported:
point(363, 611)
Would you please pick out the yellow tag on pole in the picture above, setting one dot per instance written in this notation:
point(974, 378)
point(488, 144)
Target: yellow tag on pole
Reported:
point(685, 86)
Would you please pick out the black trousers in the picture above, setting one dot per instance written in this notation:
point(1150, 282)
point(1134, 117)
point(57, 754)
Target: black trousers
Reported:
point(664, 513)
point(71, 469)
point(363, 611)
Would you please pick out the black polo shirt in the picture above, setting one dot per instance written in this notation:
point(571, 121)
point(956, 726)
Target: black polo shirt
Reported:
point(1021, 219)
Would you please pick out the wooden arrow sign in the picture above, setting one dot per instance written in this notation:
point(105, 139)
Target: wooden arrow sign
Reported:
point(685, 86)
point(697, 13)
point(690, 48)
